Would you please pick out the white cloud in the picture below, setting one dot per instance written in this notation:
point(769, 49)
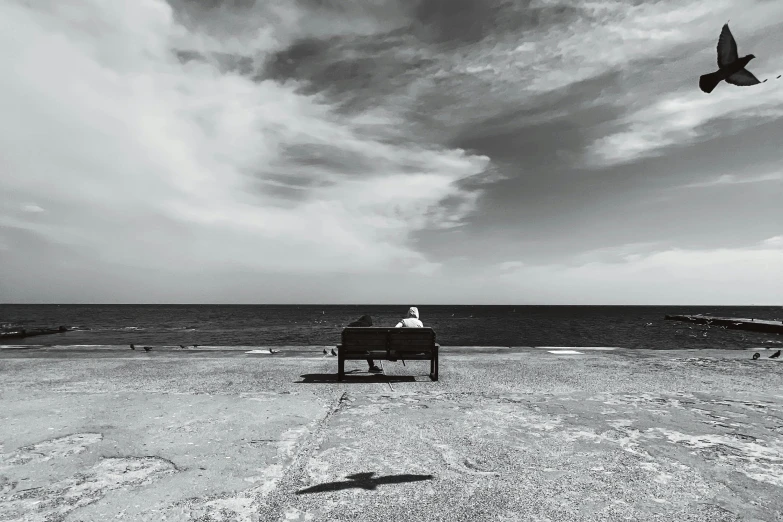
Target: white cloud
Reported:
point(773, 242)
point(738, 276)
point(149, 159)
point(734, 179)
point(32, 208)
point(616, 254)
point(510, 265)
point(681, 119)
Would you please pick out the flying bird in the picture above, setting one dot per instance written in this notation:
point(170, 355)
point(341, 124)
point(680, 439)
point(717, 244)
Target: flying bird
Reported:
point(730, 66)
point(182, 346)
point(272, 351)
point(756, 356)
point(775, 355)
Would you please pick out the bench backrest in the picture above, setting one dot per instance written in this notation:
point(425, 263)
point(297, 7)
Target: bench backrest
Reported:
point(397, 340)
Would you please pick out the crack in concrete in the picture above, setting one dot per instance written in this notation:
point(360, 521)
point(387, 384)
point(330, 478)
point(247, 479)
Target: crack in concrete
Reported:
point(272, 507)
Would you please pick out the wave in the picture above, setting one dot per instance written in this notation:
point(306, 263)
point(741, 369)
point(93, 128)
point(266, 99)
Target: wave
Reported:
point(136, 329)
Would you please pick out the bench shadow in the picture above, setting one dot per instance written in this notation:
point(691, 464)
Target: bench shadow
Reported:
point(363, 481)
point(361, 377)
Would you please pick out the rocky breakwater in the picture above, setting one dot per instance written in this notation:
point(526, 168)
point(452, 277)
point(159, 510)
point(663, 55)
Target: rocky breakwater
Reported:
point(732, 323)
point(12, 332)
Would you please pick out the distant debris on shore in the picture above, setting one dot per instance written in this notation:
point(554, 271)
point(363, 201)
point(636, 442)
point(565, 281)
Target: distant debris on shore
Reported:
point(19, 333)
point(731, 323)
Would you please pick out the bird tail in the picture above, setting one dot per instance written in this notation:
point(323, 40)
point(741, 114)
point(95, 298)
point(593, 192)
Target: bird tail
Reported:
point(708, 82)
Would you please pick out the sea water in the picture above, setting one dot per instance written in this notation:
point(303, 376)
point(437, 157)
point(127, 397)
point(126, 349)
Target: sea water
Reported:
point(302, 325)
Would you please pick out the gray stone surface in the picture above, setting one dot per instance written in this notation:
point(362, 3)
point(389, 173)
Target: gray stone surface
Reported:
point(506, 434)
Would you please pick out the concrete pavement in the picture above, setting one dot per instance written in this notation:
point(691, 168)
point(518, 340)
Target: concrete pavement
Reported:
point(505, 434)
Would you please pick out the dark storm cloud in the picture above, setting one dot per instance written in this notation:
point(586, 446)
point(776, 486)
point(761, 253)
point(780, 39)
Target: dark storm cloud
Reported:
point(216, 4)
point(356, 73)
point(532, 136)
point(460, 22)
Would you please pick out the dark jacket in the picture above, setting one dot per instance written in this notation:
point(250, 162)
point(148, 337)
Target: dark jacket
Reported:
point(364, 320)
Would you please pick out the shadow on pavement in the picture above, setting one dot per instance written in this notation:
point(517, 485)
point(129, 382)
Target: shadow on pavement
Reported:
point(363, 481)
point(362, 377)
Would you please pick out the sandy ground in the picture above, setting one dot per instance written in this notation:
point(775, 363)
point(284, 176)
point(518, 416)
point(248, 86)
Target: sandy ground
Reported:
point(505, 434)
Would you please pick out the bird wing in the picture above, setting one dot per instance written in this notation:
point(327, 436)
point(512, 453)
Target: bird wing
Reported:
point(743, 77)
point(727, 48)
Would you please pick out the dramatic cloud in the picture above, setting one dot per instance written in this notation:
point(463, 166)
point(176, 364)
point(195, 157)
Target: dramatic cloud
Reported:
point(208, 150)
point(136, 147)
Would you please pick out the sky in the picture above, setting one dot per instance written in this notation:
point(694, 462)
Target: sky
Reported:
point(388, 151)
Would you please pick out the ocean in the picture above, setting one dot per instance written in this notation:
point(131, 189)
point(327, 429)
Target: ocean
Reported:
point(303, 325)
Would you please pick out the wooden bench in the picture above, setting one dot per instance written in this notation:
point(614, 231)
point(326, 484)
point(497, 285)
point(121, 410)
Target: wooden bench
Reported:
point(389, 344)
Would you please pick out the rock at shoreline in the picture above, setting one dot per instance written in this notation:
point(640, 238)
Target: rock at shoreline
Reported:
point(18, 333)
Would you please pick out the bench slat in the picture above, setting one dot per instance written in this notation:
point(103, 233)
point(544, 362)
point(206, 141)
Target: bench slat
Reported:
point(365, 342)
point(386, 355)
point(413, 343)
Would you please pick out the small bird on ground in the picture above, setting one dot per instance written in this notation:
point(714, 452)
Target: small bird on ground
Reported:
point(730, 66)
point(325, 352)
point(182, 346)
point(756, 356)
point(775, 355)
point(333, 352)
point(273, 351)
point(195, 346)
point(133, 347)
point(147, 348)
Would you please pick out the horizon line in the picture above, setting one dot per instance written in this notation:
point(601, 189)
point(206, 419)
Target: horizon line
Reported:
point(378, 304)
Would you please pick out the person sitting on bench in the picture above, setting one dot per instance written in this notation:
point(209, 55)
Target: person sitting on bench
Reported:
point(411, 320)
point(365, 321)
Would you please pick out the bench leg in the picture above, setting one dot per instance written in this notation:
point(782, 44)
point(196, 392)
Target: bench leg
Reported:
point(434, 368)
point(340, 368)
